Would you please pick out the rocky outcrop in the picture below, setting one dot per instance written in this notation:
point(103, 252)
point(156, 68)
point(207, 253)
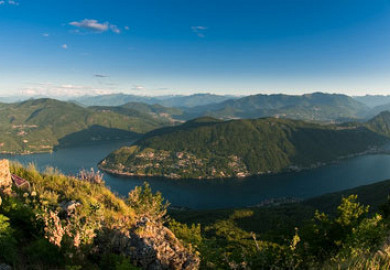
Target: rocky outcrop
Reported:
point(5, 177)
point(4, 266)
point(150, 246)
point(69, 208)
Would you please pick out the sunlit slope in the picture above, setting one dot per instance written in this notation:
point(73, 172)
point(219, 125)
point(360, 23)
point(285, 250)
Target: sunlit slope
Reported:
point(210, 148)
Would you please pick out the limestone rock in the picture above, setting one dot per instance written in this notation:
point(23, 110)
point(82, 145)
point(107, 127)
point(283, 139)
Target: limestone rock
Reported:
point(151, 246)
point(5, 176)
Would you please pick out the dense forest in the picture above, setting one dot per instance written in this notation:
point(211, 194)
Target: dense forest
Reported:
point(211, 148)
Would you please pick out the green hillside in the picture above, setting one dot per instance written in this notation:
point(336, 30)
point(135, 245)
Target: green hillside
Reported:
point(342, 230)
point(380, 123)
point(42, 124)
point(76, 222)
point(211, 148)
point(151, 114)
point(286, 216)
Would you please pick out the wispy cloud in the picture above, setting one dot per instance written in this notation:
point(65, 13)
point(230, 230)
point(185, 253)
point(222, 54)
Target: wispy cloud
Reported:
point(62, 90)
point(45, 35)
point(138, 88)
point(199, 30)
point(95, 26)
point(64, 46)
point(9, 2)
point(101, 76)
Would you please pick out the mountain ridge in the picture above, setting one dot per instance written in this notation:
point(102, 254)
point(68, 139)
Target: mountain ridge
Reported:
point(43, 124)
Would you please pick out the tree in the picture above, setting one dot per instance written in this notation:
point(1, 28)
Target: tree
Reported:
point(145, 203)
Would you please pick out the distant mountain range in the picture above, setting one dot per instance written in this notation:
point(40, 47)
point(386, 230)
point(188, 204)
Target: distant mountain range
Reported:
point(212, 148)
point(316, 106)
point(178, 101)
point(313, 107)
point(373, 101)
point(43, 124)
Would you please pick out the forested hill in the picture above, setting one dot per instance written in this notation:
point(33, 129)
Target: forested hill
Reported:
point(211, 148)
point(316, 106)
point(380, 123)
point(42, 124)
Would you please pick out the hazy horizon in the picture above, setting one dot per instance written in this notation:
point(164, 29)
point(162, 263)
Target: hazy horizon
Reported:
point(69, 97)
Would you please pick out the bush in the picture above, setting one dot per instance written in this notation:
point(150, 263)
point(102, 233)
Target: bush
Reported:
point(8, 249)
point(145, 203)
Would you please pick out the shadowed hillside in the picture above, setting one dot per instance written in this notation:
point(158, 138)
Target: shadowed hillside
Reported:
point(39, 125)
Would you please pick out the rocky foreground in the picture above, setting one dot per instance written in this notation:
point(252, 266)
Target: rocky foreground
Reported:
point(86, 224)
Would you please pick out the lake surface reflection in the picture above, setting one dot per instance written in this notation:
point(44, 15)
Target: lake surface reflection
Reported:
point(202, 194)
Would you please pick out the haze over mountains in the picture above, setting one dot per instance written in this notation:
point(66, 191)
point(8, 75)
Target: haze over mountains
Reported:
point(120, 116)
point(373, 101)
point(315, 106)
point(167, 101)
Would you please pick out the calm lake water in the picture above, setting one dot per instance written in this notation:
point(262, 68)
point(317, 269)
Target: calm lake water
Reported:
point(201, 194)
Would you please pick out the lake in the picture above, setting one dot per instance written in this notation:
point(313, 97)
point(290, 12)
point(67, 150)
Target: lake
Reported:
point(207, 194)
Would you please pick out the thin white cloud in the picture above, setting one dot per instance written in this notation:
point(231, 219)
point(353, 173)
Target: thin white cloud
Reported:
point(138, 87)
point(127, 28)
point(95, 26)
point(62, 90)
point(45, 35)
point(199, 30)
point(64, 46)
point(9, 2)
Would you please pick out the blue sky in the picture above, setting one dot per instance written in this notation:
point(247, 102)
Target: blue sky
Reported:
point(146, 47)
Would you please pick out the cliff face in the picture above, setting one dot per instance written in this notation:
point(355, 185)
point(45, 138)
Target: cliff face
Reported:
point(149, 245)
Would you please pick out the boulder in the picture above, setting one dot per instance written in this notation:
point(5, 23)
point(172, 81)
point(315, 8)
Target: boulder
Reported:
point(69, 207)
point(5, 177)
point(150, 246)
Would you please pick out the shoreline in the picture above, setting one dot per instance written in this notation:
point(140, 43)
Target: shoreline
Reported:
point(25, 153)
point(56, 148)
point(291, 169)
